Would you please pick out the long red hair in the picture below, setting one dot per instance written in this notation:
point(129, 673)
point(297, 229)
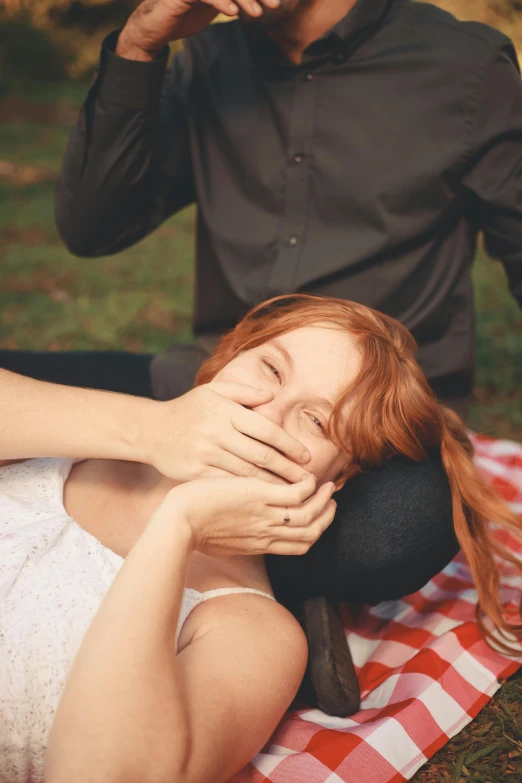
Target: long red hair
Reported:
point(393, 411)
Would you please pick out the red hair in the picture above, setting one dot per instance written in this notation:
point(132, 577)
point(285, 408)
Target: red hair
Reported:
point(393, 411)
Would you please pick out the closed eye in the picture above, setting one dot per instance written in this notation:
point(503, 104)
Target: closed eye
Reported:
point(275, 372)
point(272, 369)
point(317, 421)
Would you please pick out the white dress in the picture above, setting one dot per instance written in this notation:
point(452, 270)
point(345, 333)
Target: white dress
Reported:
point(53, 578)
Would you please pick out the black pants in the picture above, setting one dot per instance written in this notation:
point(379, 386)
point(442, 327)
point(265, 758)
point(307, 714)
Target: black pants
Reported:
point(394, 526)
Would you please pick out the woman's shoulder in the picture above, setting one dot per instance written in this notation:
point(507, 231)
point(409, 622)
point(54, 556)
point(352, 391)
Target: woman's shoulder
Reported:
point(251, 613)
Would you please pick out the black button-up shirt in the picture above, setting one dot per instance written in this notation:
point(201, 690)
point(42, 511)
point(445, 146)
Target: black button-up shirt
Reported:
point(364, 173)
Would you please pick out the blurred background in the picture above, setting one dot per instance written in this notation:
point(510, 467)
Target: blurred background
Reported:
point(141, 299)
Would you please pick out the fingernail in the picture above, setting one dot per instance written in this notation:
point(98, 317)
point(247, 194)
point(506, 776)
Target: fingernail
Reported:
point(305, 456)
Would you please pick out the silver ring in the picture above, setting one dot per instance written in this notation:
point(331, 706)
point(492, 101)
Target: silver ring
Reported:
point(287, 517)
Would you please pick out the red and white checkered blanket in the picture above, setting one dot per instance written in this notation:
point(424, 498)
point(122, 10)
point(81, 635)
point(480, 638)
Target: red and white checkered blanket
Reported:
point(424, 670)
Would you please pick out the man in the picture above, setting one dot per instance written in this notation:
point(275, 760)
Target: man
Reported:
point(337, 147)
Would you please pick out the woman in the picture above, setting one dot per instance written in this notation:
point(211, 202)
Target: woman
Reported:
point(115, 553)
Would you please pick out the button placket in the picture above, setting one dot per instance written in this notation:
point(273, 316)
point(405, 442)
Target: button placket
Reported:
point(293, 224)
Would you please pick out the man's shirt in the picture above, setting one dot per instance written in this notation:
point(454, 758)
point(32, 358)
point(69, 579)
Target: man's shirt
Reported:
point(363, 173)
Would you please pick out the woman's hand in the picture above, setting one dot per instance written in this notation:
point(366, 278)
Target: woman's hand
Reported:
point(247, 516)
point(210, 432)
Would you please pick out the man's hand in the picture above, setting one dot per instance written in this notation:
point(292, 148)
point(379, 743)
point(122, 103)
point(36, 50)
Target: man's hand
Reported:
point(210, 431)
point(156, 22)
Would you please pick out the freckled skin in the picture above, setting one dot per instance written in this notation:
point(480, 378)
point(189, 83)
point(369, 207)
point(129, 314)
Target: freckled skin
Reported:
point(324, 362)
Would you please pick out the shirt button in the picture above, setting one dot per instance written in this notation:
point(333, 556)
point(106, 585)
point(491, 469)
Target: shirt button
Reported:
point(292, 241)
point(309, 77)
point(298, 158)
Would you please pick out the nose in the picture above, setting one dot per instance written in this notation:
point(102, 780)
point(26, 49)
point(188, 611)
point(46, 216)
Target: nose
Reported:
point(272, 410)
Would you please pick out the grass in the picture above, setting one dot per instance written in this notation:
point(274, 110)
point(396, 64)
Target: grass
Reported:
point(141, 300)
point(489, 749)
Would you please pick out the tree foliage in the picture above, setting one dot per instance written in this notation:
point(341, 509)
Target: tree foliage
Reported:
point(74, 30)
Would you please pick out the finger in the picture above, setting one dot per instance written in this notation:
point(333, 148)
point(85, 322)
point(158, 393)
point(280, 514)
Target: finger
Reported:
point(235, 466)
point(263, 456)
point(209, 471)
point(253, 7)
point(248, 396)
point(263, 429)
point(250, 7)
point(304, 538)
point(311, 509)
point(226, 7)
point(290, 494)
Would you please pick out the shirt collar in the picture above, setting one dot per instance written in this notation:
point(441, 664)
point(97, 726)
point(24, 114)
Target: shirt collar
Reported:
point(338, 42)
point(364, 14)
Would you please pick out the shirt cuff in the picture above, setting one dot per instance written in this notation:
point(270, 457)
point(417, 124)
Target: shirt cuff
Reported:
point(129, 83)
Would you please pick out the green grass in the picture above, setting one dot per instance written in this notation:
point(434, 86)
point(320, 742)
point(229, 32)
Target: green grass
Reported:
point(489, 749)
point(141, 300)
point(498, 408)
point(70, 93)
point(32, 144)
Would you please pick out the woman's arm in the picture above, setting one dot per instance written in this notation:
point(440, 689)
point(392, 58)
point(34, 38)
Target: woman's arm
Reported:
point(207, 432)
point(39, 419)
point(134, 711)
point(123, 715)
point(241, 672)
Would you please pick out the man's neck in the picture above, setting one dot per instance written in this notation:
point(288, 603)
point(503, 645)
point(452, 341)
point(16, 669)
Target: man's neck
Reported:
point(310, 21)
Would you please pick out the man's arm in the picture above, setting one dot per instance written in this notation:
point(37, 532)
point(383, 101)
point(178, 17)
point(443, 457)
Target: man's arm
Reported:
point(493, 177)
point(127, 165)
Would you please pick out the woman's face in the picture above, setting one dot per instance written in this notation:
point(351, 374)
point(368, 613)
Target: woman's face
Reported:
point(306, 369)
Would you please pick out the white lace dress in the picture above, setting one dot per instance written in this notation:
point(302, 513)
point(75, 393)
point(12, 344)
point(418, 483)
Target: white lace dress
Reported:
point(53, 577)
